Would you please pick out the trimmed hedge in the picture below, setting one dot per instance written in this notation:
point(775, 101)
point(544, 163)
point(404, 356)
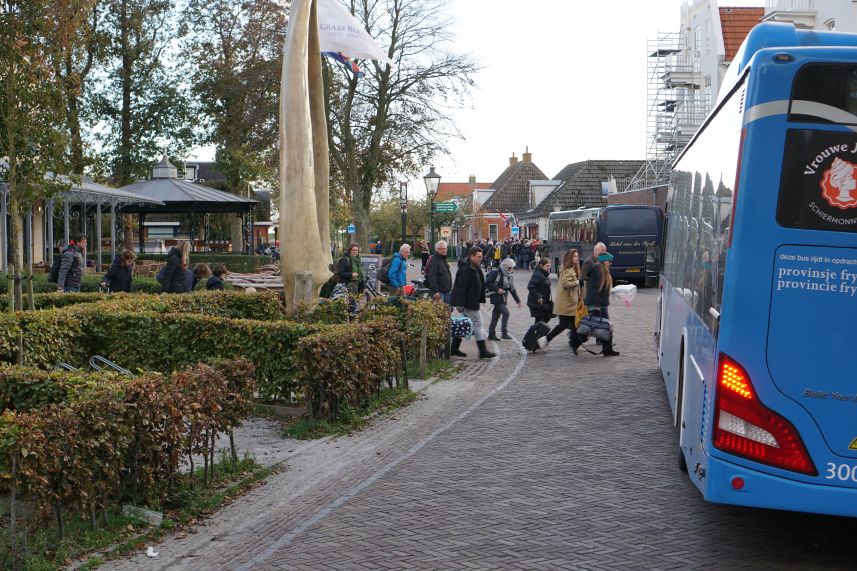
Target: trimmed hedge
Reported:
point(238, 305)
point(170, 341)
point(118, 438)
point(89, 283)
point(25, 388)
point(344, 365)
point(239, 263)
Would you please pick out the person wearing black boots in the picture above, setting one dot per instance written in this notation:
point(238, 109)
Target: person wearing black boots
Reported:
point(468, 294)
point(598, 298)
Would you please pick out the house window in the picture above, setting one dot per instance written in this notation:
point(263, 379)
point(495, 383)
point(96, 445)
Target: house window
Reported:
point(707, 93)
point(492, 231)
point(707, 36)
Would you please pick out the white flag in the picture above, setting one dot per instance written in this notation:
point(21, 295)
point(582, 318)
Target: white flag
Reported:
point(339, 31)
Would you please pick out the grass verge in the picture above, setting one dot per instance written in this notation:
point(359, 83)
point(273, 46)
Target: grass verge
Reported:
point(118, 535)
point(351, 419)
point(440, 368)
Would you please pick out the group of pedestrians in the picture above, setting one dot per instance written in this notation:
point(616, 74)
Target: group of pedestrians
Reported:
point(581, 289)
point(521, 250)
point(175, 277)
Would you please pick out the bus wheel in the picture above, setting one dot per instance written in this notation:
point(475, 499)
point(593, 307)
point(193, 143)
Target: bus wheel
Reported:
point(682, 462)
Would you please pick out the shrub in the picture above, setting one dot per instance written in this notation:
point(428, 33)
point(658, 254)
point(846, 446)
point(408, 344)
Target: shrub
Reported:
point(25, 388)
point(239, 263)
point(88, 284)
point(263, 306)
point(118, 436)
point(410, 316)
point(344, 365)
point(168, 342)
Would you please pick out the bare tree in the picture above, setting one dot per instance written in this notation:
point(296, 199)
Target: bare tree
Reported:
point(397, 118)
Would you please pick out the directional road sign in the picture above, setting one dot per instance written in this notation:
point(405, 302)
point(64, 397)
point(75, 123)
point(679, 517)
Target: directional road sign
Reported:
point(352, 228)
point(445, 207)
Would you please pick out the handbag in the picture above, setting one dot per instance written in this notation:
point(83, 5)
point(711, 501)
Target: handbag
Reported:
point(461, 327)
point(581, 312)
point(598, 327)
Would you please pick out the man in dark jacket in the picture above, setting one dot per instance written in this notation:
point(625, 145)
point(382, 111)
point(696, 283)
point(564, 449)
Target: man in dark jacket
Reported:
point(438, 276)
point(71, 265)
point(468, 294)
point(588, 264)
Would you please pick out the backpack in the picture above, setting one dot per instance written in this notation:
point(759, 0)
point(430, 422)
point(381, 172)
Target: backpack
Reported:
point(384, 270)
point(161, 277)
point(428, 263)
point(54, 273)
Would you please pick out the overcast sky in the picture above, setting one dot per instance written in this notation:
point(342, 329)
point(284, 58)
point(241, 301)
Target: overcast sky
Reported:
point(566, 78)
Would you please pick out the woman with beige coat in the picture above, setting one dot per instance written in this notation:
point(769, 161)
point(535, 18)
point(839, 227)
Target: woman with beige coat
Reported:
point(567, 295)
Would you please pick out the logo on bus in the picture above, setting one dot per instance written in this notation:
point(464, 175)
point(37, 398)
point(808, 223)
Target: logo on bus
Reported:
point(839, 184)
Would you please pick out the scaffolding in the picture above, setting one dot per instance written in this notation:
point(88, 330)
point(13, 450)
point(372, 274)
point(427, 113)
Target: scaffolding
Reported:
point(675, 105)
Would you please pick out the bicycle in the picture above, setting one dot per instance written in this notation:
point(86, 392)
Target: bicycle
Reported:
point(534, 264)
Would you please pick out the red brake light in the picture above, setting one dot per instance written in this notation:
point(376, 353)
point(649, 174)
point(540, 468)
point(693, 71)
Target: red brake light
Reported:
point(745, 427)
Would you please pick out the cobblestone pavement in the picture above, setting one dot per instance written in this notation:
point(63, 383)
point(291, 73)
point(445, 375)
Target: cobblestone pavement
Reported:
point(543, 461)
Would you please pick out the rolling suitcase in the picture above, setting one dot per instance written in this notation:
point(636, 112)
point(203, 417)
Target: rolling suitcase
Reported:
point(533, 334)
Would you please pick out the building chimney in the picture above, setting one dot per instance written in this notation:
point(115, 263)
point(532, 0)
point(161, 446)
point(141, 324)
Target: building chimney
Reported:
point(472, 180)
point(528, 156)
point(513, 160)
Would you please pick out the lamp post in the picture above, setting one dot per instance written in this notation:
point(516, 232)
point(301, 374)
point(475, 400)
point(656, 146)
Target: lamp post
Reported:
point(403, 203)
point(432, 180)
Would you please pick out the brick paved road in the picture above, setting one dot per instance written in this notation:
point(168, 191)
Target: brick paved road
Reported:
point(548, 461)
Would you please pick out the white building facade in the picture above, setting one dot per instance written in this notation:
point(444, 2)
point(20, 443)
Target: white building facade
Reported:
point(837, 15)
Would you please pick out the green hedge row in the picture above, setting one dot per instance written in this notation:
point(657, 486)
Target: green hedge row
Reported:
point(171, 332)
point(98, 440)
point(170, 341)
point(89, 283)
point(235, 304)
point(239, 263)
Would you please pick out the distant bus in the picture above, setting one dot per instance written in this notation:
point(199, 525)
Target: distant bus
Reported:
point(757, 315)
point(631, 233)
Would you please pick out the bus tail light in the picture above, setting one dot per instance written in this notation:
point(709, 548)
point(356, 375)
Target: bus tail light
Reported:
point(745, 427)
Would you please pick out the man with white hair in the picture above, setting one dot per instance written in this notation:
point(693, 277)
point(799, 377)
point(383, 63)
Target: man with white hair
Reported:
point(588, 264)
point(438, 276)
point(398, 272)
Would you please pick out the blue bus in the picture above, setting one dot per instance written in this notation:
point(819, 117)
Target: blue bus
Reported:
point(631, 233)
point(757, 307)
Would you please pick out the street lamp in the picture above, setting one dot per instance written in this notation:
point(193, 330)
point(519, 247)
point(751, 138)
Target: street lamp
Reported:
point(403, 203)
point(432, 180)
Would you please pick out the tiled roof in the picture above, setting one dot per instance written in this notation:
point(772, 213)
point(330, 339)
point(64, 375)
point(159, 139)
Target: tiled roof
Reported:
point(513, 188)
point(448, 190)
point(736, 24)
point(581, 186)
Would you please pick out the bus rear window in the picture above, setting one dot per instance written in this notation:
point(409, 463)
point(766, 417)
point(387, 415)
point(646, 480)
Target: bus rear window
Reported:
point(818, 87)
point(818, 183)
point(632, 222)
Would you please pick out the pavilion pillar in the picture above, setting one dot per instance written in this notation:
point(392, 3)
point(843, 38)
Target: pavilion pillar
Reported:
point(206, 228)
point(142, 218)
point(83, 219)
point(66, 218)
point(98, 235)
point(49, 214)
point(112, 231)
point(192, 232)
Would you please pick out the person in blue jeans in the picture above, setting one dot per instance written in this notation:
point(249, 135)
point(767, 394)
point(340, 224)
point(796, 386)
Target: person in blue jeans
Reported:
point(398, 272)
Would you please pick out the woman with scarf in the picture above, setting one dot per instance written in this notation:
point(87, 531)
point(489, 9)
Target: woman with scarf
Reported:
point(349, 270)
point(501, 283)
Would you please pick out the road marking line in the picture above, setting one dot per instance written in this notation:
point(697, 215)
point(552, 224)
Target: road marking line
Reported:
point(357, 488)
